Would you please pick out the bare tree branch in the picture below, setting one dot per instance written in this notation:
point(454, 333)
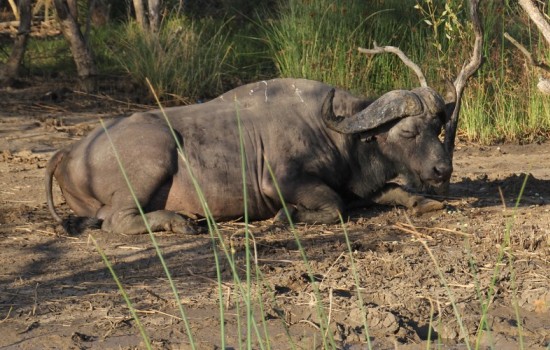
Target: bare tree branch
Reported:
point(465, 73)
point(539, 64)
point(395, 50)
point(459, 84)
point(544, 27)
point(537, 17)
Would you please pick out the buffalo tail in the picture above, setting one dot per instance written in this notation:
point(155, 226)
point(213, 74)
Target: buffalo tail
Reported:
point(73, 224)
point(50, 169)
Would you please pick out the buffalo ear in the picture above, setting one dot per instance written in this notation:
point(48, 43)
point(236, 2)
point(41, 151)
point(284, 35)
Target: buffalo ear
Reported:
point(327, 110)
point(393, 105)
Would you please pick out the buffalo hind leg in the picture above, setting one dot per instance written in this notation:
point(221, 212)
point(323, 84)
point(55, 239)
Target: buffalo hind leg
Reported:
point(150, 162)
point(131, 222)
point(393, 194)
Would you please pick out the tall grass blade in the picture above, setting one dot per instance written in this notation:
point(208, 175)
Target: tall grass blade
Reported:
point(209, 219)
point(443, 280)
point(503, 250)
point(133, 312)
point(186, 58)
point(213, 230)
point(482, 327)
point(513, 285)
point(357, 284)
point(430, 324)
point(152, 236)
point(247, 297)
point(323, 321)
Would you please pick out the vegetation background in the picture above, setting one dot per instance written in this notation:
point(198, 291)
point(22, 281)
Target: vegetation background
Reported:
point(203, 48)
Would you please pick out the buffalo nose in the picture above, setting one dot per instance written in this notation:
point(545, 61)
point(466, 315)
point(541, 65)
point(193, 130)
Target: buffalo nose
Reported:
point(442, 171)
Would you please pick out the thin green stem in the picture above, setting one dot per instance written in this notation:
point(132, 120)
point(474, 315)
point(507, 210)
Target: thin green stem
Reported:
point(246, 230)
point(151, 235)
point(357, 283)
point(502, 251)
point(323, 321)
point(133, 312)
point(443, 280)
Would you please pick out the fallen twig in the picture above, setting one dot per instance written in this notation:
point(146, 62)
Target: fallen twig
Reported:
point(8, 315)
point(413, 231)
point(30, 327)
point(438, 229)
point(225, 284)
point(149, 312)
point(309, 323)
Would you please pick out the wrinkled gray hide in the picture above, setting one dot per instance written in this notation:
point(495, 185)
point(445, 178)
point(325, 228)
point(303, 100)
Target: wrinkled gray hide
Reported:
point(326, 147)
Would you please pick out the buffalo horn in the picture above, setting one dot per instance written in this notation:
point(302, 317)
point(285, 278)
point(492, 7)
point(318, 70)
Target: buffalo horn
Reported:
point(390, 106)
point(432, 100)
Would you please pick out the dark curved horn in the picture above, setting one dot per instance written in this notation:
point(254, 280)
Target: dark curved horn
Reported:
point(431, 99)
point(392, 105)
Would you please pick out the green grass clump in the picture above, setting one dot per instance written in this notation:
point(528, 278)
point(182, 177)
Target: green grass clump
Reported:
point(187, 58)
point(46, 56)
point(200, 54)
point(319, 39)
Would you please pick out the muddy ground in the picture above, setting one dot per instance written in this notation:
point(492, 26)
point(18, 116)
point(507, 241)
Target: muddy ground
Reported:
point(55, 291)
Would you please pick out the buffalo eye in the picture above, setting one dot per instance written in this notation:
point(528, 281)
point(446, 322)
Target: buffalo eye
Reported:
point(408, 134)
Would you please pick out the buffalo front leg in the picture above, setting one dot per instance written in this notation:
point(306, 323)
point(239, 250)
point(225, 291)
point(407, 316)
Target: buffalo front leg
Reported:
point(395, 195)
point(309, 200)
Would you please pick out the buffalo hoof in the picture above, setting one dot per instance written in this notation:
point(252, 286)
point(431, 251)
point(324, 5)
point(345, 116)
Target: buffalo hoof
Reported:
point(186, 227)
point(426, 205)
point(74, 225)
point(281, 217)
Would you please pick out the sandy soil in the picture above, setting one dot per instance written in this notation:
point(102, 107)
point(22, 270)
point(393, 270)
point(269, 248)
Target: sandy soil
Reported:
point(55, 291)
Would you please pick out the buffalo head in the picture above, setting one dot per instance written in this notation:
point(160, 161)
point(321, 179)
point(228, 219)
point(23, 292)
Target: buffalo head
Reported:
point(405, 126)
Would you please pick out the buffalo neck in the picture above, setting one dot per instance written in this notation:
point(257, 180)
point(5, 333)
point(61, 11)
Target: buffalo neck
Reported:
point(371, 170)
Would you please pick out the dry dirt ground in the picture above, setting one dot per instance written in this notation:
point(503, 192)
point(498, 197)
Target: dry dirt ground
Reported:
point(55, 291)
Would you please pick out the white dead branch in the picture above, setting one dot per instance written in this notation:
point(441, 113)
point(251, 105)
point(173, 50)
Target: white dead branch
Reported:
point(468, 69)
point(544, 85)
point(536, 16)
point(406, 60)
point(544, 27)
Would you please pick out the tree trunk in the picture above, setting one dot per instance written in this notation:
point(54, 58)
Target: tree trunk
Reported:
point(10, 70)
point(73, 9)
point(154, 15)
point(140, 14)
point(80, 51)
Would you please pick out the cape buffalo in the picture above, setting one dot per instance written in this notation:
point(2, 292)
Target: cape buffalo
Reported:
point(326, 148)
